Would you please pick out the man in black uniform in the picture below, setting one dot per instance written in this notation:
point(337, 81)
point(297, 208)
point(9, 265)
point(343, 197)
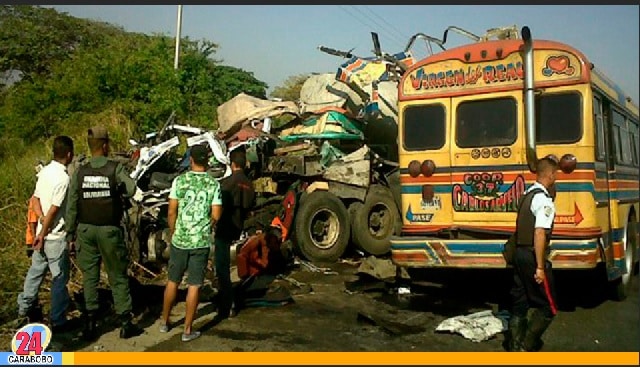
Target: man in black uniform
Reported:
point(237, 199)
point(93, 220)
point(532, 277)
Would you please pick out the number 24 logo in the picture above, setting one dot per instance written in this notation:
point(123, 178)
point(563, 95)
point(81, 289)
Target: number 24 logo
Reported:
point(33, 339)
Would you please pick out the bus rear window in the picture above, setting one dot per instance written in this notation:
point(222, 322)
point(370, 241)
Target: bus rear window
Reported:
point(559, 118)
point(486, 123)
point(424, 127)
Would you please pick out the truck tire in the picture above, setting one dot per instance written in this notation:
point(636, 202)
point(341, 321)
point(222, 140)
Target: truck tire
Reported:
point(322, 227)
point(376, 221)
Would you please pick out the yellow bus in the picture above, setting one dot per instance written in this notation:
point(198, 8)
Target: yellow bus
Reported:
point(473, 120)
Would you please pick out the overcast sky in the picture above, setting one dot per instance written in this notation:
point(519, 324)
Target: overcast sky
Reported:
point(274, 42)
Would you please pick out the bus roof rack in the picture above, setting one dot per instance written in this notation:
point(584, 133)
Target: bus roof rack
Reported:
point(500, 33)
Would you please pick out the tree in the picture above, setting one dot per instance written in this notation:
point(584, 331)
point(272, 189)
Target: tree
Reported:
point(34, 39)
point(127, 72)
point(290, 89)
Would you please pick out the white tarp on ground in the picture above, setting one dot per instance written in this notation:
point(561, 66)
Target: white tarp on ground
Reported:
point(476, 327)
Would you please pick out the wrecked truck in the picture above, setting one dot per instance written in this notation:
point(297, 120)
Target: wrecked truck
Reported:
point(335, 188)
point(329, 175)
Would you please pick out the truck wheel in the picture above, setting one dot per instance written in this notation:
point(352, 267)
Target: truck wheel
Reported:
point(322, 227)
point(376, 221)
point(622, 286)
point(354, 210)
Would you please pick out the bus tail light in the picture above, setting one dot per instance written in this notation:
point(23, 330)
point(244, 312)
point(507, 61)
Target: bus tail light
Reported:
point(427, 168)
point(414, 168)
point(568, 163)
point(553, 158)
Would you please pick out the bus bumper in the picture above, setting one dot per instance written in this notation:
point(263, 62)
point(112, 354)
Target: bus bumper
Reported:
point(426, 252)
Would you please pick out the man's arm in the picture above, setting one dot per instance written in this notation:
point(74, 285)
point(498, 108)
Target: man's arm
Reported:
point(543, 209)
point(263, 260)
point(36, 207)
point(46, 224)
point(539, 244)
point(57, 197)
point(122, 177)
point(71, 214)
point(172, 216)
point(216, 204)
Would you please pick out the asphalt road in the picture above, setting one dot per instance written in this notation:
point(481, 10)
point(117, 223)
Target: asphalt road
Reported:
point(330, 319)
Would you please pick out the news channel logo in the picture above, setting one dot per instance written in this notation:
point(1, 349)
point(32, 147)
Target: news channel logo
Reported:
point(28, 347)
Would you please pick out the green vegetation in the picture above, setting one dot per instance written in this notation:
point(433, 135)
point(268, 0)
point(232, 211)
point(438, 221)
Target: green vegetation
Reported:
point(78, 73)
point(290, 89)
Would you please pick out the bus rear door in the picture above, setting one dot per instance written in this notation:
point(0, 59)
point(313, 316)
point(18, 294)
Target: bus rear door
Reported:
point(488, 159)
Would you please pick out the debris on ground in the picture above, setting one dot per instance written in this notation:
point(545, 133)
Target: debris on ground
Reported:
point(365, 283)
point(391, 327)
point(350, 262)
point(376, 274)
point(381, 269)
point(476, 327)
point(297, 287)
point(313, 268)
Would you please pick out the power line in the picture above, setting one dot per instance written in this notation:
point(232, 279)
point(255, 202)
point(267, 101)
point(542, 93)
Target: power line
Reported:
point(391, 26)
point(368, 26)
point(391, 36)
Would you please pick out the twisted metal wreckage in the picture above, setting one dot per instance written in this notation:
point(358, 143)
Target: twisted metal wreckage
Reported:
point(326, 177)
point(329, 177)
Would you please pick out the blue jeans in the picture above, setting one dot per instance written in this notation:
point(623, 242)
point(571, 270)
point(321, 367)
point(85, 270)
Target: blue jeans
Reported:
point(55, 258)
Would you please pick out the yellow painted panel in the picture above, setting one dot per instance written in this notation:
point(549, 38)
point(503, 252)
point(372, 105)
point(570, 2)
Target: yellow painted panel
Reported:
point(452, 76)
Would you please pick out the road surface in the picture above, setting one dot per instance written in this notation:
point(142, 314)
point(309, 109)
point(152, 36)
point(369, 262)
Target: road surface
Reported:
point(330, 319)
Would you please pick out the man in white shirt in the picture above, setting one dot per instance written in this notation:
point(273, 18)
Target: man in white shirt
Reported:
point(50, 246)
point(533, 285)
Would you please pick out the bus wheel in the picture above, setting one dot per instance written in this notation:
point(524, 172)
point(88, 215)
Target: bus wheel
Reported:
point(622, 286)
point(322, 228)
point(376, 221)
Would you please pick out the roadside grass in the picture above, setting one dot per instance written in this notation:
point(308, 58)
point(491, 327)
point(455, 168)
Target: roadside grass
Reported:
point(17, 182)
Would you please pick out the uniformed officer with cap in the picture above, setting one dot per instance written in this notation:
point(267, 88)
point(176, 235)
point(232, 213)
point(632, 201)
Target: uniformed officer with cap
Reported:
point(533, 285)
point(94, 213)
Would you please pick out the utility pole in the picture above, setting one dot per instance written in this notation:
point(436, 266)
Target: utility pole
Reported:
point(178, 31)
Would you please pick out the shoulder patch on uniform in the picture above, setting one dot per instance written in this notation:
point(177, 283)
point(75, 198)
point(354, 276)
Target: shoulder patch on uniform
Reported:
point(548, 210)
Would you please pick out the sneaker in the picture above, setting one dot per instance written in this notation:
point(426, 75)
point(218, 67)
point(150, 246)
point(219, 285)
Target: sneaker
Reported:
point(192, 336)
point(164, 327)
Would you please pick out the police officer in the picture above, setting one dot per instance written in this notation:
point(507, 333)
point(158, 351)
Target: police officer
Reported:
point(94, 214)
point(533, 285)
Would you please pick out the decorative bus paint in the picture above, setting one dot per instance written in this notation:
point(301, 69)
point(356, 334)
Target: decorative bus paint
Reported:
point(459, 195)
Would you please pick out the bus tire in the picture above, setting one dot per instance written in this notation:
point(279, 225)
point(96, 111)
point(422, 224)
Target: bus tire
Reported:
point(376, 221)
point(322, 228)
point(621, 287)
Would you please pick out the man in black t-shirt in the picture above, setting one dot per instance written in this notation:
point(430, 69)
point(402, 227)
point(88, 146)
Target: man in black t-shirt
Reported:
point(237, 199)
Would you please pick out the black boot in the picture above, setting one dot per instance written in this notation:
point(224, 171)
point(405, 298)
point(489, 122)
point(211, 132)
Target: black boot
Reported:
point(128, 329)
point(35, 315)
point(517, 330)
point(90, 329)
point(538, 324)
